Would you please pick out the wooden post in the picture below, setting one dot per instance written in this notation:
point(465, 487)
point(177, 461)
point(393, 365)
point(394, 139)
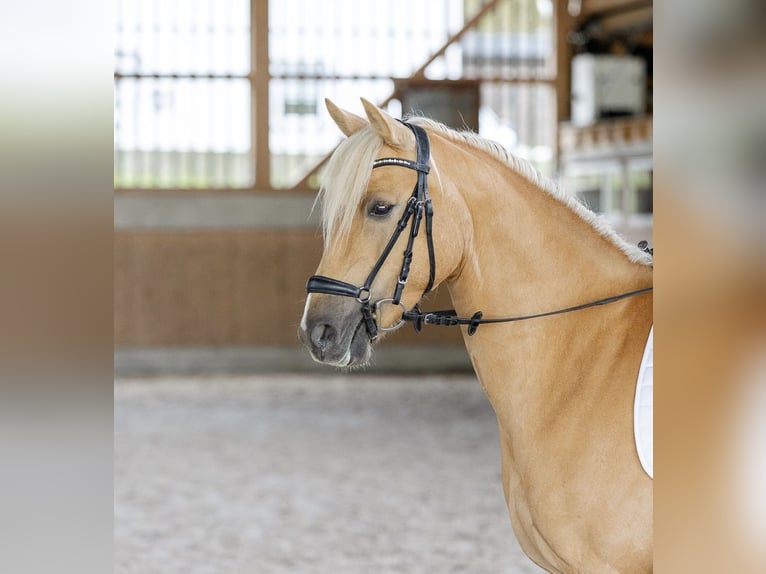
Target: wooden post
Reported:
point(563, 24)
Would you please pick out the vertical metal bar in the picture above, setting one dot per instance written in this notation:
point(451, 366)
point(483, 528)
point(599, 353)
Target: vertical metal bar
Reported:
point(489, 22)
point(229, 153)
point(527, 101)
point(524, 67)
point(625, 190)
point(194, 125)
point(607, 193)
point(139, 99)
point(563, 54)
point(198, 95)
point(259, 90)
point(210, 156)
point(152, 24)
point(118, 105)
point(162, 89)
point(175, 151)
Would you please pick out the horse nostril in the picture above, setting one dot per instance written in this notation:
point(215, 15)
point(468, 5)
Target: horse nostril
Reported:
point(322, 335)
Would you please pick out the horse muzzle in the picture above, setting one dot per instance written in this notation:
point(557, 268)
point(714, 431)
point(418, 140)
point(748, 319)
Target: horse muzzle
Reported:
point(334, 332)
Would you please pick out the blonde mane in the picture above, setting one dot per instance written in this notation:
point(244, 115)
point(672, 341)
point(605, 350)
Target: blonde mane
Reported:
point(348, 173)
point(345, 181)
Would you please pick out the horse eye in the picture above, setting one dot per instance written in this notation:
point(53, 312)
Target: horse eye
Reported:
point(380, 209)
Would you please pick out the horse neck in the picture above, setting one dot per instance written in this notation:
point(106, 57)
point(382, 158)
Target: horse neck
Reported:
point(528, 252)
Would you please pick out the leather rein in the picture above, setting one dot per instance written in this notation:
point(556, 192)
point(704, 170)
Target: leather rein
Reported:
point(419, 206)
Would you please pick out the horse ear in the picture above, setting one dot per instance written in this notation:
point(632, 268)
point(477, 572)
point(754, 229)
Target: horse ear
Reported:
point(394, 133)
point(347, 122)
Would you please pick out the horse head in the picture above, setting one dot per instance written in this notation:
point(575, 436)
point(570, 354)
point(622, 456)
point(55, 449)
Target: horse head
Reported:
point(380, 248)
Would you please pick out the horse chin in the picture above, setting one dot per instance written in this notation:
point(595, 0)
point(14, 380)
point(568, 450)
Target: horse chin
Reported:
point(360, 349)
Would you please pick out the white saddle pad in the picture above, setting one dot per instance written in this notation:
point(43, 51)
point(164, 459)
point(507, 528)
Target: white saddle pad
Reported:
point(643, 408)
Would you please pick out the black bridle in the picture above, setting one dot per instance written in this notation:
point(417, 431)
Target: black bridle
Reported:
point(419, 206)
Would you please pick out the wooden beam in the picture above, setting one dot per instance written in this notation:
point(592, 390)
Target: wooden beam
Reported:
point(420, 72)
point(590, 7)
point(563, 25)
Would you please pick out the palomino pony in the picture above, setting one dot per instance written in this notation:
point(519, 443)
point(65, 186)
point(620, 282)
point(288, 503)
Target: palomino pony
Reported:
point(553, 305)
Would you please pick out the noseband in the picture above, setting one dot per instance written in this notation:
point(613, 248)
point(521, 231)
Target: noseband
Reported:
point(419, 206)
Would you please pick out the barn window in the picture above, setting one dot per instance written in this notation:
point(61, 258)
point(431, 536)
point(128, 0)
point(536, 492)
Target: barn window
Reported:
point(213, 94)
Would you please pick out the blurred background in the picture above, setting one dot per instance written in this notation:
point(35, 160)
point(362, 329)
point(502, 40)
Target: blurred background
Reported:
point(220, 136)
